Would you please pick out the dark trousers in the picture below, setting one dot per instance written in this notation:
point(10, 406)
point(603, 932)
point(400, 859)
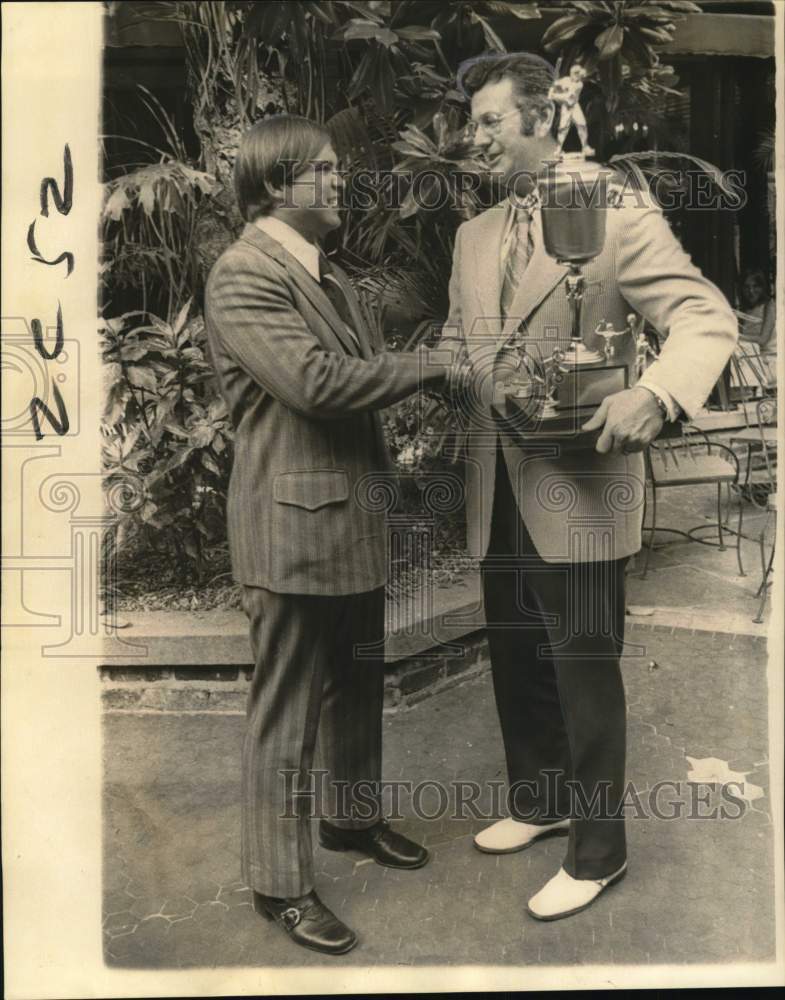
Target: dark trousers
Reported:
point(555, 633)
point(309, 677)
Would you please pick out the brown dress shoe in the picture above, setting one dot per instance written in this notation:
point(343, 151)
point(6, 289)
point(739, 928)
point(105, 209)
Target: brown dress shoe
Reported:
point(308, 922)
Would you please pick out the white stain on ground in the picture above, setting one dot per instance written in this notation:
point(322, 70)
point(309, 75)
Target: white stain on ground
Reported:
point(712, 770)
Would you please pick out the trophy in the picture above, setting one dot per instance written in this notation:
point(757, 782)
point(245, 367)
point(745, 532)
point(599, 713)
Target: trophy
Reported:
point(565, 94)
point(553, 377)
point(537, 395)
point(608, 334)
point(555, 395)
point(574, 198)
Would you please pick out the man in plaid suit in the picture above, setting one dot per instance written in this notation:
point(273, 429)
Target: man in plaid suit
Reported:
point(303, 378)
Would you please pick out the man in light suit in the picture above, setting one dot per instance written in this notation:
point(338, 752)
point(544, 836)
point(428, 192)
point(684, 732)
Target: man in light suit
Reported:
point(302, 380)
point(555, 529)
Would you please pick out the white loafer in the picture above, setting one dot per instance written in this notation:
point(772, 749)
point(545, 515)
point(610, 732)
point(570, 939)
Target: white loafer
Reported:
point(564, 895)
point(509, 835)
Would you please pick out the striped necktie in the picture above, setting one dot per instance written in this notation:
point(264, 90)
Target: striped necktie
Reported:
point(518, 255)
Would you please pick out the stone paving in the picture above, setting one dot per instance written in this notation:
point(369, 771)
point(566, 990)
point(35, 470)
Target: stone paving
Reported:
point(698, 890)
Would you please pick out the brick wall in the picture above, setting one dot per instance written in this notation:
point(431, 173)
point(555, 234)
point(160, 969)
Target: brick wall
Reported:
point(225, 688)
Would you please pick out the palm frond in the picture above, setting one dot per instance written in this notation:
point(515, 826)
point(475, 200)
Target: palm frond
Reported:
point(648, 165)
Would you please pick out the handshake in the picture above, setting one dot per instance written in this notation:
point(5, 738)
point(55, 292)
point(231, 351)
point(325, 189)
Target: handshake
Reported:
point(458, 374)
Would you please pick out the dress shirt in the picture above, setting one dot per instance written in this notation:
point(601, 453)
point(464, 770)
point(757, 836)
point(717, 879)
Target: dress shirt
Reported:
point(670, 403)
point(304, 253)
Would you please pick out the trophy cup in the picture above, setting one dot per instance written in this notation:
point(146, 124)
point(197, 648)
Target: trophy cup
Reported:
point(561, 389)
point(574, 197)
point(555, 395)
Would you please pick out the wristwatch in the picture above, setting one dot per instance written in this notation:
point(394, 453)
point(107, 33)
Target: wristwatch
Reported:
point(659, 400)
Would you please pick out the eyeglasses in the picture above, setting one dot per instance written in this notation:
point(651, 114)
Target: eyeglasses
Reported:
point(490, 122)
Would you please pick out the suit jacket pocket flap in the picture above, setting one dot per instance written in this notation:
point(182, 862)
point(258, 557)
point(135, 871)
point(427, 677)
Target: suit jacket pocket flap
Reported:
point(312, 489)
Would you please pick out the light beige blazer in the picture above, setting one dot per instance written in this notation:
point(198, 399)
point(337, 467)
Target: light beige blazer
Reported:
point(580, 506)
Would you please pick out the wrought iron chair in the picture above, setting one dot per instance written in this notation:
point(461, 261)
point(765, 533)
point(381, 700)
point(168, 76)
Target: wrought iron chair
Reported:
point(690, 460)
point(750, 374)
point(760, 486)
point(759, 442)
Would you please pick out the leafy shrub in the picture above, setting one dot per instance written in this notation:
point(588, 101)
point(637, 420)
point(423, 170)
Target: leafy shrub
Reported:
point(149, 217)
point(415, 435)
point(166, 427)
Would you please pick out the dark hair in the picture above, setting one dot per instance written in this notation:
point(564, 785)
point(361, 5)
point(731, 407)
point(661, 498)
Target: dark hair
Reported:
point(762, 278)
point(270, 154)
point(531, 77)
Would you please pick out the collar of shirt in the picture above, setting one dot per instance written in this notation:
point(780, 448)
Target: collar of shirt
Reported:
point(304, 253)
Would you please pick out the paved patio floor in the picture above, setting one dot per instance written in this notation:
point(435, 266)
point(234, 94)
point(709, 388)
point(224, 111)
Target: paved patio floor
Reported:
point(699, 890)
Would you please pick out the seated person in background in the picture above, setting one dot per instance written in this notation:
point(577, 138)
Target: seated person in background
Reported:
point(756, 321)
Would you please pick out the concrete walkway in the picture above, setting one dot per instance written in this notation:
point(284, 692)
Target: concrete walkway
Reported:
point(699, 890)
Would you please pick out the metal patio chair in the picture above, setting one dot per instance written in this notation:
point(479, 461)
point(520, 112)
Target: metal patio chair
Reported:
point(750, 375)
point(759, 441)
point(690, 460)
point(761, 488)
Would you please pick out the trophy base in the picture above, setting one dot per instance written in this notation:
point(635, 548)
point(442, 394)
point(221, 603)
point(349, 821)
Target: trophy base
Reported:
point(563, 429)
point(578, 354)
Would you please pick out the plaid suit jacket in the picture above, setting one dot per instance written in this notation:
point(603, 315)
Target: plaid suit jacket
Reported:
point(311, 477)
point(580, 506)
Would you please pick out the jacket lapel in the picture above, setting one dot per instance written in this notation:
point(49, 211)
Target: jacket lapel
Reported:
point(359, 323)
point(487, 248)
point(310, 288)
point(541, 276)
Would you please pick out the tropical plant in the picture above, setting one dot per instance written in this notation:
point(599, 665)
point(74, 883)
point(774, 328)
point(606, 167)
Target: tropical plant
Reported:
point(465, 28)
point(237, 45)
point(167, 427)
point(765, 150)
point(645, 169)
point(150, 216)
point(388, 48)
point(149, 220)
point(619, 42)
point(408, 228)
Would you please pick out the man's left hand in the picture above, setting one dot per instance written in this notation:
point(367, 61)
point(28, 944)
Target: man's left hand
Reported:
point(631, 419)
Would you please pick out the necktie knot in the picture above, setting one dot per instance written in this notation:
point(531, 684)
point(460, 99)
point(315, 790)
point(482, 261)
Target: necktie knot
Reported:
point(524, 207)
